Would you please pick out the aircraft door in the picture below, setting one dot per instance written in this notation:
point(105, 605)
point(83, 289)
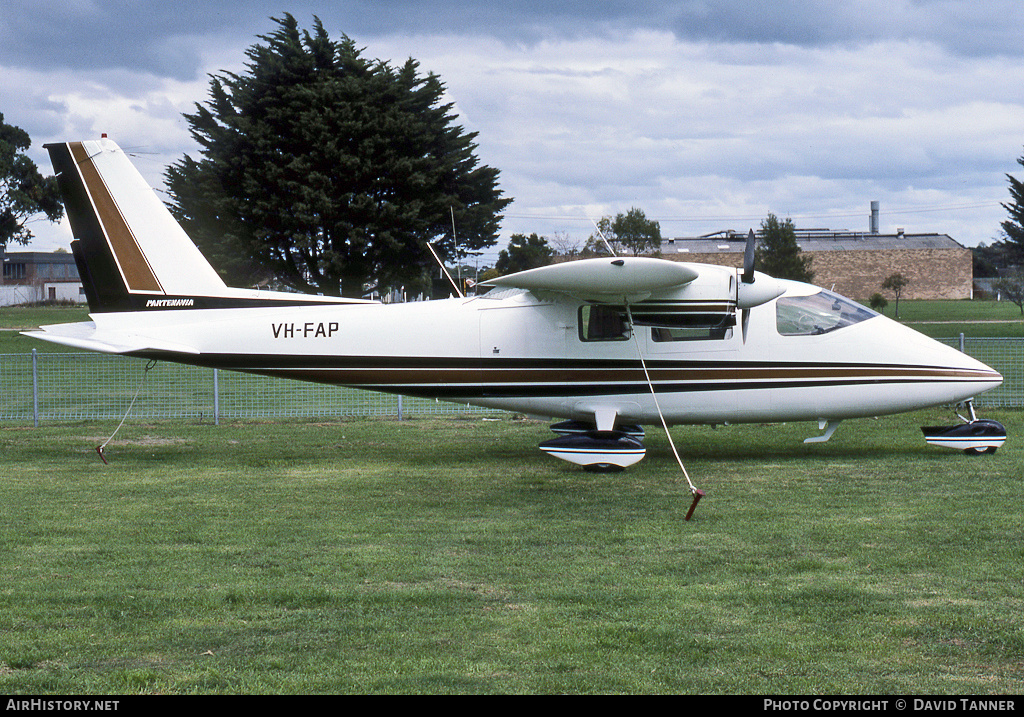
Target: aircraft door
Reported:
point(523, 356)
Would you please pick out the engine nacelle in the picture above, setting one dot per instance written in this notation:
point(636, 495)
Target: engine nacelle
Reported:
point(761, 290)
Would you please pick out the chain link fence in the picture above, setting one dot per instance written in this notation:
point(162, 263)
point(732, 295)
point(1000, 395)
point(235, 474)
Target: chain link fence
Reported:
point(1004, 355)
point(42, 387)
point(50, 387)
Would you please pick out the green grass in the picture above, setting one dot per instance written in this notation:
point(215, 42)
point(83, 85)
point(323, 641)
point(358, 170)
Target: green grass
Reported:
point(944, 319)
point(20, 318)
point(450, 556)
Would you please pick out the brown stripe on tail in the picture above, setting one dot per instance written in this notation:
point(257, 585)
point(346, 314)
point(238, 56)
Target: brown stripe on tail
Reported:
point(136, 271)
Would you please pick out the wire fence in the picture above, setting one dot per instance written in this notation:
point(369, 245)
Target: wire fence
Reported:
point(53, 387)
point(1005, 355)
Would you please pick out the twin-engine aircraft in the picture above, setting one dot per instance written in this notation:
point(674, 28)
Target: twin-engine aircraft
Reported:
point(607, 344)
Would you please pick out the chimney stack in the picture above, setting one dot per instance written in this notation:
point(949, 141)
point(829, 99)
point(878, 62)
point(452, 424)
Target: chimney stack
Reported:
point(874, 217)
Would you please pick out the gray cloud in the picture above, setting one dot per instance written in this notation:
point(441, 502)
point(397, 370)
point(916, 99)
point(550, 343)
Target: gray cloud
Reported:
point(695, 111)
point(161, 37)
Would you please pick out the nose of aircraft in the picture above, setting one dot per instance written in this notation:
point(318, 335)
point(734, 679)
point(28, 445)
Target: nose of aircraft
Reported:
point(959, 376)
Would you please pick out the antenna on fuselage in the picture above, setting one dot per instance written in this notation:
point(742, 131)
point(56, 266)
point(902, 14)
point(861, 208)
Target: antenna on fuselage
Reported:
point(607, 244)
point(455, 243)
point(441, 264)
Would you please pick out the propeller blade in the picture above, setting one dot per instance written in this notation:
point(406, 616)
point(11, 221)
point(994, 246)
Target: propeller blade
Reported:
point(748, 259)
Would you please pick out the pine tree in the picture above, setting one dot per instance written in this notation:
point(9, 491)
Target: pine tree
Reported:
point(329, 171)
point(778, 254)
point(1013, 228)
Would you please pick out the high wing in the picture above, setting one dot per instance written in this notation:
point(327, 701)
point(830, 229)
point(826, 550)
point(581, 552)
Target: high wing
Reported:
point(604, 280)
point(631, 280)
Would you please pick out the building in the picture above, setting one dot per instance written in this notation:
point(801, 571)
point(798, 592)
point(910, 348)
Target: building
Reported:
point(31, 276)
point(855, 264)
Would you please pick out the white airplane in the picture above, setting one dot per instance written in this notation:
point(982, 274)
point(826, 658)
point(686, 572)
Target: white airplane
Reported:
point(607, 344)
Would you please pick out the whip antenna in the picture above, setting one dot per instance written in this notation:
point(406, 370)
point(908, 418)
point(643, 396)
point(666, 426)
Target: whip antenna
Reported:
point(441, 264)
point(607, 244)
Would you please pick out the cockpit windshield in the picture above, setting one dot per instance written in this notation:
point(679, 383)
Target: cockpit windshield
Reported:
point(819, 313)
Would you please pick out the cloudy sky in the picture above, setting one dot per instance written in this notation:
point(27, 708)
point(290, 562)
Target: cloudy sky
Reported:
point(706, 115)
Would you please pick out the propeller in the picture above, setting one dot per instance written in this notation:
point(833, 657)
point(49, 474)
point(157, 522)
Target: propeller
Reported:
point(748, 259)
point(749, 294)
point(747, 277)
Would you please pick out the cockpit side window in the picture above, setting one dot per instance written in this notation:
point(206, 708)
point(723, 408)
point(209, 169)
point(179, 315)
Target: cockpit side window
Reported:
point(603, 323)
point(819, 313)
point(698, 332)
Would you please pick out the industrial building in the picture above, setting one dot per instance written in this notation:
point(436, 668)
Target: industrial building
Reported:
point(31, 276)
point(855, 263)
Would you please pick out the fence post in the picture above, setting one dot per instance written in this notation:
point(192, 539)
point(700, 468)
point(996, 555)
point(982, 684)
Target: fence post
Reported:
point(399, 407)
point(216, 398)
point(962, 343)
point(35, 388)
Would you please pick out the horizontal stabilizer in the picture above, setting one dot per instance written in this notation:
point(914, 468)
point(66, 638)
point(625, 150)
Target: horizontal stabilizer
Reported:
point(606, 279)
point(84, 335)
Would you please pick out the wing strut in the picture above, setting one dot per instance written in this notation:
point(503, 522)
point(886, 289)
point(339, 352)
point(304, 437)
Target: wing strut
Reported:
point(694, 490)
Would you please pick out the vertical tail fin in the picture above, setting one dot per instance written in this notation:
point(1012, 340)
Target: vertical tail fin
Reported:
point(129, 249)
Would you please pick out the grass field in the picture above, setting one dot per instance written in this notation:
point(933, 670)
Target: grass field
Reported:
point(450, 556)
point(944, 319)
point(19, 318)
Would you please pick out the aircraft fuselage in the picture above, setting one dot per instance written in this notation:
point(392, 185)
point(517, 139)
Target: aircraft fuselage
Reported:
point(518, 352)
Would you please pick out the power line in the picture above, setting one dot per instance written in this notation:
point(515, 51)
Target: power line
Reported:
point(703, 219)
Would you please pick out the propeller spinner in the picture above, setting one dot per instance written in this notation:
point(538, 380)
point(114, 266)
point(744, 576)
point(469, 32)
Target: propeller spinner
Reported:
point(755, 288)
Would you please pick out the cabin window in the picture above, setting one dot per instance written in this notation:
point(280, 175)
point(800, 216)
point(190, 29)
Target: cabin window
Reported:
point(816, 314)
point(603, 323)
point(692, 333)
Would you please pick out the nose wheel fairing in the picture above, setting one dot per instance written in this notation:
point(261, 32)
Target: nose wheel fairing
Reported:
point(975, 436)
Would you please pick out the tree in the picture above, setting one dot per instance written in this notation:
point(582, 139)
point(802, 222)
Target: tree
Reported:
point(896, 283)
point(565, 245)
point(778, 254)
point(524, 252)
point(330, 171)
point(1011, 288)
point(631, 232)
point(987, 260)
point(24, 192)
point(1013, 228)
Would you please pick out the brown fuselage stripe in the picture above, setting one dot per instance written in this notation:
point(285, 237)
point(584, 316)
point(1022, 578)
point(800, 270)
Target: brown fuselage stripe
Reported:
point(448, 376)
point(475, 377)
point(138, 275)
